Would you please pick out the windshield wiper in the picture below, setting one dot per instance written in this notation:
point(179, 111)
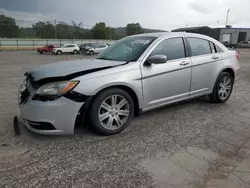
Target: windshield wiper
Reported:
point(103, 58)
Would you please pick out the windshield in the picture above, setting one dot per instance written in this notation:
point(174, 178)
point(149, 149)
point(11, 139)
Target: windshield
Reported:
point(126, 49)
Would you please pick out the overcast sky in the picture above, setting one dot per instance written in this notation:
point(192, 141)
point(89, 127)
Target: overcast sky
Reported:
point(157, 14)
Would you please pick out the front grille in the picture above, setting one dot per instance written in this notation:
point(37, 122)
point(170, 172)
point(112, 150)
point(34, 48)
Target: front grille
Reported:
point(41, 125)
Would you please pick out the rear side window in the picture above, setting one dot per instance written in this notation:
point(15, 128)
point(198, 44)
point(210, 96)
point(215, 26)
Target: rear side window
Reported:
point(199, 46)
point(173, 48)
point(69, 46)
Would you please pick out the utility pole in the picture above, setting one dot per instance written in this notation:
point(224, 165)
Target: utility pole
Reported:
point(227, 16)
point(55, 29)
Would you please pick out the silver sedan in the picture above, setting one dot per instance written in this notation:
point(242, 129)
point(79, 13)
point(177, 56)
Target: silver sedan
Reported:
point(136, 74)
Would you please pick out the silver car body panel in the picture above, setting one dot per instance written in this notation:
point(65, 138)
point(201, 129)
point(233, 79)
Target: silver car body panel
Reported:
point(61, 113)
point(154, 86)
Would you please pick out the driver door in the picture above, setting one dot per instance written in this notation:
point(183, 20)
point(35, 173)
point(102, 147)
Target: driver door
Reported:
point(170, 81)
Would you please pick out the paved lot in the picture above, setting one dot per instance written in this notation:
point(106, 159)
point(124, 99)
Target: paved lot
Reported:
point(190, 144)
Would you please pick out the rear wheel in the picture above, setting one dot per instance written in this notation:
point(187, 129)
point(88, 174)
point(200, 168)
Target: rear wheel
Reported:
point(111, 111)
point(223, 88)
point(75, 52)
point(91, 53)
point(59, 52)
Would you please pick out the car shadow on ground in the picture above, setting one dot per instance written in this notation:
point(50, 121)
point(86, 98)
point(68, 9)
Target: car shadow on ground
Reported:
point(83, 131)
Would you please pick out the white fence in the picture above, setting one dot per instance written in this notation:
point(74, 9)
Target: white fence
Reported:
point(34, 43)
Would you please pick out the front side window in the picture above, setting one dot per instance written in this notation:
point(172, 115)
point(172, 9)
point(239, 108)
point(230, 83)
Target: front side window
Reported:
point(199, 46)
point(173, 48)
point(127, 49)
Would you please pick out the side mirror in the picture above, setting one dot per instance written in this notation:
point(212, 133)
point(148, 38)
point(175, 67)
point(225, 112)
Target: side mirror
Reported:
point(157, 59)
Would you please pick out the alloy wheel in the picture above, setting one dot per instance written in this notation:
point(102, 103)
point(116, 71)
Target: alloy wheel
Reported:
point(114, 112)
point(225, 88)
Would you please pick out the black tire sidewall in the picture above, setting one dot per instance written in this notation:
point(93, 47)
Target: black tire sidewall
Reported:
point(216, 89)
point(94, 110)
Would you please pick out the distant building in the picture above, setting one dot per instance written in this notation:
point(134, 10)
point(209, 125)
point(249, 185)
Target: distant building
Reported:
point(205, 30)
point(232, 36)
point(228, 36)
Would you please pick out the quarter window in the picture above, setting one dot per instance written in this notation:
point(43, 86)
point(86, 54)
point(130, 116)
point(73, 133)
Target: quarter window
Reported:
point(219, 49)
point(173, 48)
point(212, 46)
point(199, 46)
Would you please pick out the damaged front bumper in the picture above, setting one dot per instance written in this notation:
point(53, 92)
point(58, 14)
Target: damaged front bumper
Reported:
point(51, 117)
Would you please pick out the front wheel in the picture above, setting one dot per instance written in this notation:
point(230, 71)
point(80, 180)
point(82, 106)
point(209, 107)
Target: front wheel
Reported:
point(111, 111)
point(223, 88)
point(59, 52)
point(91, 53)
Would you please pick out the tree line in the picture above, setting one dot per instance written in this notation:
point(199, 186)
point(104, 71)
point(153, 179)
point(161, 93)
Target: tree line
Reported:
point(61, 30)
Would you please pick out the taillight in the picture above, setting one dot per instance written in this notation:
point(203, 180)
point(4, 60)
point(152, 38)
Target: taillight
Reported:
point(237, 55)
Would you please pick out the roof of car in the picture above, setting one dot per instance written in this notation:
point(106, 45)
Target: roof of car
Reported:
point(169, 34)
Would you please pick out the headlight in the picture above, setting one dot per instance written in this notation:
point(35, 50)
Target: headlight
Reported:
point(56, 88)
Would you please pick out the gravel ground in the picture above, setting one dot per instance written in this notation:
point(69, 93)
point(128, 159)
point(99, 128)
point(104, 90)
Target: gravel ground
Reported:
point(189, 144)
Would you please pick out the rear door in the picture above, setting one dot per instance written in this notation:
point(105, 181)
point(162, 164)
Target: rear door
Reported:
point(50, 48)
point(102, 47)
point(66, 48)
point(205, 65)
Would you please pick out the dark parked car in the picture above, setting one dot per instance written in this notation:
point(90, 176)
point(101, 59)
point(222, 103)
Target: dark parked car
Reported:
point(86, 46)
point(244, 44)
point(45, 49)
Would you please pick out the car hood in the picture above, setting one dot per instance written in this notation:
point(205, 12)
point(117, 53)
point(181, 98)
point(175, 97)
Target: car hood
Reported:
point(66, 68)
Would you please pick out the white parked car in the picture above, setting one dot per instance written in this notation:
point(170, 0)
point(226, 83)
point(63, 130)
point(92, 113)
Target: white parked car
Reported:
point(96, 49)
point(67, 48)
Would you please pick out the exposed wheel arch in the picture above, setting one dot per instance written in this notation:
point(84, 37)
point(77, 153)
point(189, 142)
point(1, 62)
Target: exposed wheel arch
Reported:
point(230, 71)
point(81, 117)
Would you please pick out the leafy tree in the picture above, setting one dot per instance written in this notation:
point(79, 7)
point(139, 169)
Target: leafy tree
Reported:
point(134, 28)
point(100, 31)
point(27, 32)
point(77, 29)
point(44, 30)
point(8, 27)
point(64, 31)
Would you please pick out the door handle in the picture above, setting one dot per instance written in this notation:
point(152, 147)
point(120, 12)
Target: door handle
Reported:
point(215, 57)
point(184, 63)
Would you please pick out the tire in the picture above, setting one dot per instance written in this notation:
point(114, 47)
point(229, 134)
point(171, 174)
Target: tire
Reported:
point(96, 111)
point(59, 52)
point(75, 52)
point(218, 96)
point(44, 52)
point(91, 53)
